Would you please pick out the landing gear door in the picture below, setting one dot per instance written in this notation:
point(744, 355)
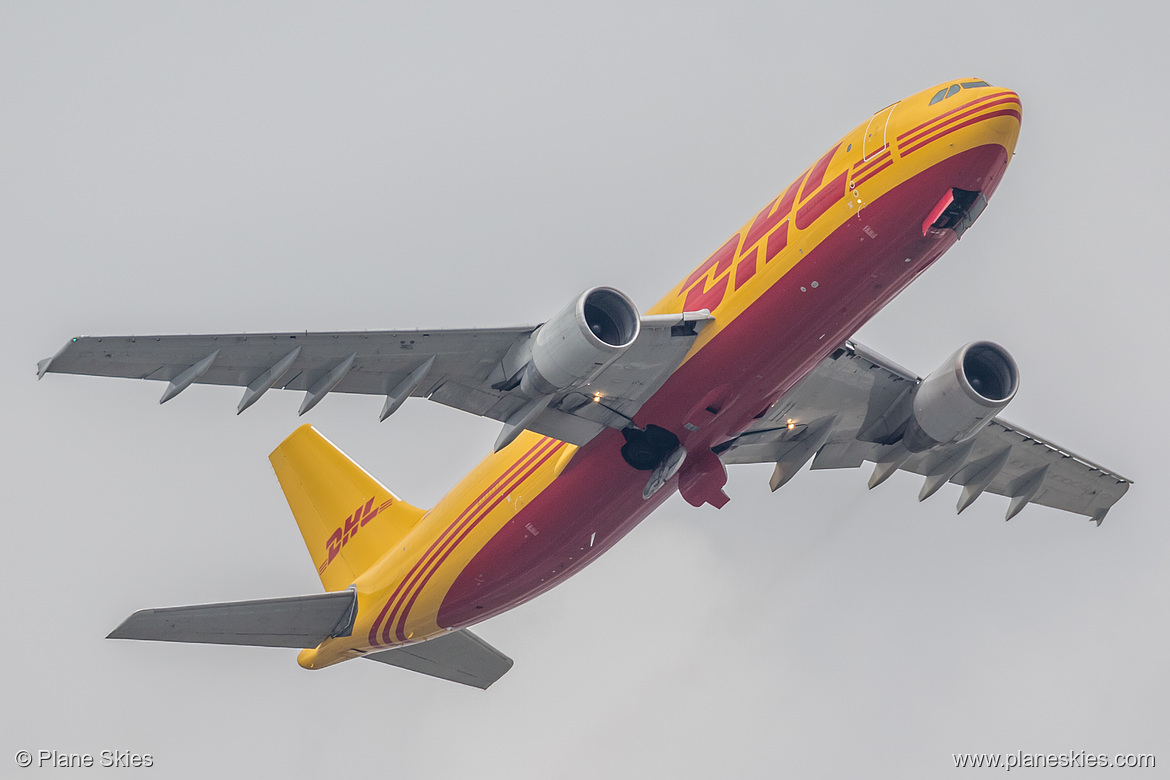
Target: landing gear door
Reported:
point(877, 133)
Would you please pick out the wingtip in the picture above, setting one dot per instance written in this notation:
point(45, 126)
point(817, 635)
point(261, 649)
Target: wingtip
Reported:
point(484, 685)
point(46, 365)
point(120, 632)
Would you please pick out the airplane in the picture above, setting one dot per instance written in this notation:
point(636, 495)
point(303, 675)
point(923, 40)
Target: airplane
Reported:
point(606, 412)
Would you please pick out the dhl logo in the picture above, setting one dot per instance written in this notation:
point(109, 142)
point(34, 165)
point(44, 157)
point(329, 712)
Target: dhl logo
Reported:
point(347, 530)
point(736, 262)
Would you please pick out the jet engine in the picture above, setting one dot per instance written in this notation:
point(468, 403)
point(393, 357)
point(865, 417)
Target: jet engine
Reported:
point(581, 340)
point(956, 400)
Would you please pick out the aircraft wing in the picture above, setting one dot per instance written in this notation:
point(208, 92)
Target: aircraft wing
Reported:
point(473, 370)
point(840, 414)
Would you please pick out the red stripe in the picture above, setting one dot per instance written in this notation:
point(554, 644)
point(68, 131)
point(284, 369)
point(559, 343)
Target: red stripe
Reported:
point(874, 172)
point(746, 267)
point(818, 204)
point(400, 629)
point(720, 259)
point(817, 176)
point(914, 137)
point(507, 473)
point(761, 224)
point(789, 196)
point(503, 484)
point(968, 104)
point(777, 241)
point(394, 604)
point(871, 162)
point(420, 571)
point(768, 219)
point(968, 123)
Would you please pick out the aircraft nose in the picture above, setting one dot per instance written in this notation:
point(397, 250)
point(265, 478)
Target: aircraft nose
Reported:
point(969, 109)
point(1001, 96)
point(1002, 113)
point(1015, 98)
point(988, 102)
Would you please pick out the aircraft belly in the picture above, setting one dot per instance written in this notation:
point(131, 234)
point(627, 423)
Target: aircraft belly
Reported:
point(755, 358)
point(583, 513)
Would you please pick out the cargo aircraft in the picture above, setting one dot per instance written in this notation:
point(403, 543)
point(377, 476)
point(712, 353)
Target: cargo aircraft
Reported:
point(606, 412)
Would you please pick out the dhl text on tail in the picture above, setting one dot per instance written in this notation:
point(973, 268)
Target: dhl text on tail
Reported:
point(606, 412)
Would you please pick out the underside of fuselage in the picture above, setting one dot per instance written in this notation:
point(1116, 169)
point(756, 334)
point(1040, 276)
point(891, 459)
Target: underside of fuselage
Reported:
point(797, 322)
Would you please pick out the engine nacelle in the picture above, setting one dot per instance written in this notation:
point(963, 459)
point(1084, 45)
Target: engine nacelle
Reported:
point(956, 400)
point(582, 339)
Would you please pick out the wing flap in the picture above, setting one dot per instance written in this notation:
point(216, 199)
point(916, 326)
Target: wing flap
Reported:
point(295, 621)
point(459, 656)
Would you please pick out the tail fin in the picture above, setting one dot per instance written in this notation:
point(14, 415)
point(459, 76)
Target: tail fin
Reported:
point(348, 519)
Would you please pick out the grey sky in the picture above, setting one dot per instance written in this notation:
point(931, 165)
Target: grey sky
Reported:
point(208, 168)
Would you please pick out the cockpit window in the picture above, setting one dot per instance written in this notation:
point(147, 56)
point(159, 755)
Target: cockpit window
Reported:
point(946, 92)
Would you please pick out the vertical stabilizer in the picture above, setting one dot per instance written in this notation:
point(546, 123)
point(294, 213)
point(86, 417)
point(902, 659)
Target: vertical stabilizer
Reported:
point(348, 519)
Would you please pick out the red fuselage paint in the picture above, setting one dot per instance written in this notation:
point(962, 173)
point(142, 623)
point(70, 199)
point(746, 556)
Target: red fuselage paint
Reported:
point(760, 355)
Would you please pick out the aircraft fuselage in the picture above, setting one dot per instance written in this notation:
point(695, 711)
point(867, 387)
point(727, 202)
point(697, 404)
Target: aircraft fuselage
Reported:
point(786, 290)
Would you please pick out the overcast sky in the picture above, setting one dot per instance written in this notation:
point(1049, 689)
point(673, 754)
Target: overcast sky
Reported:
point(222, 167)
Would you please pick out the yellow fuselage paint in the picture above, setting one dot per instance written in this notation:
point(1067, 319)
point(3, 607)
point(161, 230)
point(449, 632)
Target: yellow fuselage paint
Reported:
point(407, 586)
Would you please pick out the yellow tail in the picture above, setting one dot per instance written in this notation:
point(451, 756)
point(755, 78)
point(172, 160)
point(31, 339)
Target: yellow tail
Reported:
point(348, 519)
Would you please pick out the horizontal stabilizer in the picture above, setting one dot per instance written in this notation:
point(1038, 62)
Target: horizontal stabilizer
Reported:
point(459, 656)
point(296, 621)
